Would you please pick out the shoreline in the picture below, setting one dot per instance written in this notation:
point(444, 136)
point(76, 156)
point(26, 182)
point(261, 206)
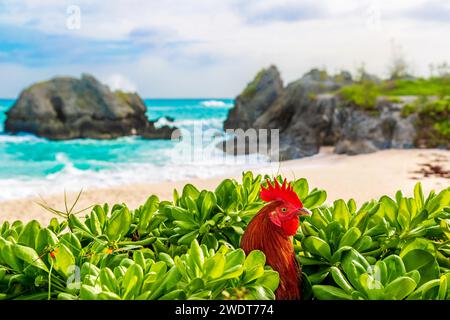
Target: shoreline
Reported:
point(361, 177)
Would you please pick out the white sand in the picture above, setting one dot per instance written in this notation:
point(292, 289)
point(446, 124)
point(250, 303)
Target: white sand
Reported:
point(361, 177)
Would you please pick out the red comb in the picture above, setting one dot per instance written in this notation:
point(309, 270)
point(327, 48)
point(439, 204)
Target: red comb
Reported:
point(285, 193)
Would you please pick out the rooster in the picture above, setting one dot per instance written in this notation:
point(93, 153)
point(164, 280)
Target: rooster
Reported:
point(271, 231)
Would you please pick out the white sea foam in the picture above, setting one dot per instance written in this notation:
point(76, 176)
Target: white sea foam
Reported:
point(215, 104)
point(211, 122)
point(73, 179)
point(162, 122)
point(19, 138)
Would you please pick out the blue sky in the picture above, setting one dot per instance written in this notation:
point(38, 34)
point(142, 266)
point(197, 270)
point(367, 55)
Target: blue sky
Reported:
point(198, 48)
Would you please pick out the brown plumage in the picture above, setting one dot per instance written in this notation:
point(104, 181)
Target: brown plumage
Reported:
point(271, 231)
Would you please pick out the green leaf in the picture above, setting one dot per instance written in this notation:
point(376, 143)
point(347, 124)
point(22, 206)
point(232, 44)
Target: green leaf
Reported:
point(132, 281)
point(29, 256)
point(108, 279)
point(354, 265)
point(197, 253)
point(8, 257)
point(94, 224)
point(108, 296)
point(443, 288)
point(190, 191)
point(415, 275)
point(147, 212)
point(46, 238)
point(325, 292)
point(71, 241)
point(208, 204)
point(174, 295)
point(253, 273)
point(235, 257)
point(64, 260)
point(424, 290)
point(88, 292)
point(188, 237)
point(317, 220)
point(101, 214)
point(315, 199)
point(301, 188)
point(390, 209)
point(340, 280)
point(317, 246)
point(364, 243)
point(269, 280)
point(29, 234)
point(403, 217)
point(422, 261)
point(372, 287)
point(119, 224)
point(319, 276)
point(350, 237)
point(418, 195)
point(210, 241)
point(395, 266)
point(341, 213)
point(215, 266)
point(261, 293)
point(255, 258)
point(400, 288)
point(380, 272)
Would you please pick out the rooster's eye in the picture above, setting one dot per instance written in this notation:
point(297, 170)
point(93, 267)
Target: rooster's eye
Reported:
point(283, 209)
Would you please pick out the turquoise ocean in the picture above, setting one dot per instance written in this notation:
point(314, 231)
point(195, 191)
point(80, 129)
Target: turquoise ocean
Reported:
point(30, 166)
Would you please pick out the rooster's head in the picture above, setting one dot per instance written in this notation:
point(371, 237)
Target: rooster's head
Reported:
point(286, 206)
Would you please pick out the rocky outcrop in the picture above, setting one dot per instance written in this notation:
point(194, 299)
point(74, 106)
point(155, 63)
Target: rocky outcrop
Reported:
point(309, 115)
point(68, 108)
point(257, 97)
point(356, 131)
point(300, 117)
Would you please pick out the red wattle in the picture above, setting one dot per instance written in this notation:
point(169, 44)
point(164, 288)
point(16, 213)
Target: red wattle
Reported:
point(290, 226)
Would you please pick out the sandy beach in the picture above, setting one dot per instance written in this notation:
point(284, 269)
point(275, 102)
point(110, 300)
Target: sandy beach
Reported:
point(360, 177)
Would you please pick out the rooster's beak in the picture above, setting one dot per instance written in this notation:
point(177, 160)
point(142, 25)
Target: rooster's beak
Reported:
point(304, 212)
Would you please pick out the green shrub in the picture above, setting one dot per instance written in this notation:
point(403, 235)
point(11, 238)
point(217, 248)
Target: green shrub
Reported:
point(436, 86)
point(188, 248)
point(363, 94)
point(387, 249)
point(433, 123)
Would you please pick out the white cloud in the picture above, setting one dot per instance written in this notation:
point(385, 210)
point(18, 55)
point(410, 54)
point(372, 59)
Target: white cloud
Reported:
point(209, 48)
point(118, 81)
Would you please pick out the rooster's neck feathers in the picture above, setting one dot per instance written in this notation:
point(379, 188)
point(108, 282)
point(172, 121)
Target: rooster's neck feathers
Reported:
point(278, 248)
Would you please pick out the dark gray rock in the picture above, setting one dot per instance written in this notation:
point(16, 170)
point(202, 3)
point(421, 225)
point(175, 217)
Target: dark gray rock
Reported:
point(257, 97)
point(357, 131)
point(309, 115)
point(68, 108)
point(302, 115)
point(343, 77)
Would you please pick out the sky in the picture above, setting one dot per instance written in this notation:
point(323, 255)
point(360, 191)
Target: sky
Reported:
point(212, 48)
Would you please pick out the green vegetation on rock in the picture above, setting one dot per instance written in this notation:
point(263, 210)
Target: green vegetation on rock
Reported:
point(251, 87)
point(362, 94)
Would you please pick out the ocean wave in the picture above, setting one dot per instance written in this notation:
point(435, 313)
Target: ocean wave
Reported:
point(207, 123)
point(72, 179)
point(20, 138)
point(216, 104)
point(163, 121)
